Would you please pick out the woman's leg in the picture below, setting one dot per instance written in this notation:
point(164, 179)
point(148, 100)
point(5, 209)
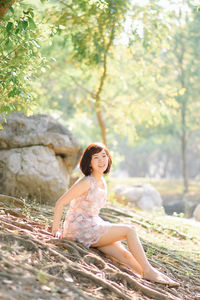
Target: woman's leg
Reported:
point(119, 232)
point(119, 252)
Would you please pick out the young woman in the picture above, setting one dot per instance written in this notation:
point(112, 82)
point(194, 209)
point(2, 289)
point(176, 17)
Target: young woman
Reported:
point(83, 224)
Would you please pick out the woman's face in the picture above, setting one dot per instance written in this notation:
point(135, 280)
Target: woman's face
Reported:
point(99, 161)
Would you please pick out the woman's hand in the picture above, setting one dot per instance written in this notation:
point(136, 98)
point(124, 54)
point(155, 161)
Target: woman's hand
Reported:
point(57, 233)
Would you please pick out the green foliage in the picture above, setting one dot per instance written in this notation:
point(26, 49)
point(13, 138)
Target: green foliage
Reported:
point(89, 25)
point(20, 58)
point(91, 48)
point(125, 54)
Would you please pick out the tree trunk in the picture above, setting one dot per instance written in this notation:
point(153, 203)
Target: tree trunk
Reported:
point(183, 102)
point(4, 7)
point(184, 150)
point(98, 101)
point(102, 126)
point(102, 81)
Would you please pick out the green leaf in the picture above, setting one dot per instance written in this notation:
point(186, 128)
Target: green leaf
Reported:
point(11, 9)
point(19, 28)
point(12, 93)
point(36, 44)
point(24, 24)
point(32, 14)
point(9, 26)
point(31, 23)
point(7, 42)
point(5, 108)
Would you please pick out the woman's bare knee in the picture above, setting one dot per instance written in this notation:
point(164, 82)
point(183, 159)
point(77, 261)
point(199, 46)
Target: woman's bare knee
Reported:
point(114, 234)
point(131, 230)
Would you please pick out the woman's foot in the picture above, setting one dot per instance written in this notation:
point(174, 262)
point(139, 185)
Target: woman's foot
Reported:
point(154, 275)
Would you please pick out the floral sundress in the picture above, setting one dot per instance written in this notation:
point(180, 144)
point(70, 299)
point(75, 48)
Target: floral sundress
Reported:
point(82, 222)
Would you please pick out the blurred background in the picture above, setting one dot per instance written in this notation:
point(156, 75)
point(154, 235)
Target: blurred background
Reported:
point(122, 72)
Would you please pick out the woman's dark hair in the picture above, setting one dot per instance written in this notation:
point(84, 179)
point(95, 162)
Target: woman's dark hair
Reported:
point(87, 156)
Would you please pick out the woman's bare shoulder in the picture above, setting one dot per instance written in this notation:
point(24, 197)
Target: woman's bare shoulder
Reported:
point(83, 182)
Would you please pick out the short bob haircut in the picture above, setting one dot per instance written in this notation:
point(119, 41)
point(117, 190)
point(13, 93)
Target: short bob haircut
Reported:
point(87, 156)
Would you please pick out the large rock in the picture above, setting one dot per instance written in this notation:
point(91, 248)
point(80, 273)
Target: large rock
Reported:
point(174, 206)
point(22, 131)
point(196, 213)
point(37, 155)
point(145, 196)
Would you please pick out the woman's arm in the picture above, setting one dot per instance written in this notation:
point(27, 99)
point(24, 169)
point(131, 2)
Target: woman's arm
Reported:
point(79, 188)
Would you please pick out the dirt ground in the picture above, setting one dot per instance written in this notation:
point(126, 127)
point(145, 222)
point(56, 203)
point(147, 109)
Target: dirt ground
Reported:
point(34, 265)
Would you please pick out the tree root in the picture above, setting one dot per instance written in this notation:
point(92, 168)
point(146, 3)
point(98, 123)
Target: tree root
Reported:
point(136, 285)
point(94, 260)
point(10, 239)
point(29, 254)
point(74, 270)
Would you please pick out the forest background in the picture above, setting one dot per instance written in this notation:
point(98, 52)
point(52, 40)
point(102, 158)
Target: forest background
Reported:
point(122, 72)
point(125, 73)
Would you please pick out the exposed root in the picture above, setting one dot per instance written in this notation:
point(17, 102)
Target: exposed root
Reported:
point(32, 260)
point(105, 284)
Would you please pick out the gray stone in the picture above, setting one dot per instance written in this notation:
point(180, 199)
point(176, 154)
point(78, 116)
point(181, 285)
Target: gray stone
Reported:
point(196, 213)
point(189, 208)
point(33, 172)
point(23, 131)
point(37, 156)
point(145, 196)
point(174, 206)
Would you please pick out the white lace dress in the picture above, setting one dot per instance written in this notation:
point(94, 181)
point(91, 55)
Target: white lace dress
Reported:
point(82, 222)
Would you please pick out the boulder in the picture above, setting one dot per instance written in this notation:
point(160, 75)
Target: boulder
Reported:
point(145, 196)
point(196, 213)
point(23, 131)
point(174, 206)
point(37, 156)
point(191, 200)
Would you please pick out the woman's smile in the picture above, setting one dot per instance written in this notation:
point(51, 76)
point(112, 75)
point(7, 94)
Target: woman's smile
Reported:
point(99, 161)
